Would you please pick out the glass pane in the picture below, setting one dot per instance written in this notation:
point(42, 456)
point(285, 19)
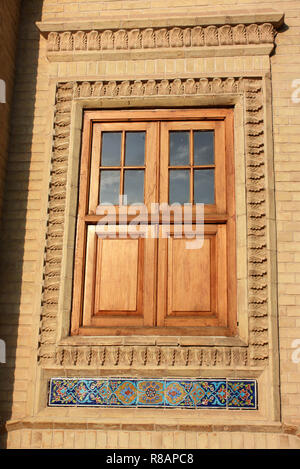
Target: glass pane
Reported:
point(135, 149)
point(204, 147)
point(179, 148)
point(109, 187)
point(204, 186)
point(111, 148)
point(134, 185)
point(179, 186)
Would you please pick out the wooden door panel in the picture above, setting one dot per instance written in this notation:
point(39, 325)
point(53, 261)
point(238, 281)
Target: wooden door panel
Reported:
point(117, 275)
point(192, 283)
point(189, 277)
point(119, 278)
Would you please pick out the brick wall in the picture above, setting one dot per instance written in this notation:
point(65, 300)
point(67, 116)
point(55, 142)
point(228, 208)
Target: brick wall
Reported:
point(285, 69)
point(9, 19)
point(26, 199)
point(20, 233)
point(111, 439)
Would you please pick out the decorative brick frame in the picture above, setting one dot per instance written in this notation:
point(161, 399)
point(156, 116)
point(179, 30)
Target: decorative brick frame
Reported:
point(251, 351)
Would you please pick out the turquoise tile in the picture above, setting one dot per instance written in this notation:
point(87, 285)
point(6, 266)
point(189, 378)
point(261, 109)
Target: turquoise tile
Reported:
point(162, 393)
point(121, 392)
point(77, 392)
point(210, 393)
point(151, 393)
point(241, 394)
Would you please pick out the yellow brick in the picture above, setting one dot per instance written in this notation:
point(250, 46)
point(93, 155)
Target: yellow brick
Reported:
point(47, 439)
point(24, 214)
point(124, 440)
point(58, 439)
point(101, 441)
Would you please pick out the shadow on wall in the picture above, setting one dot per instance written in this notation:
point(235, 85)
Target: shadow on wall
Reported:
point(18, 198)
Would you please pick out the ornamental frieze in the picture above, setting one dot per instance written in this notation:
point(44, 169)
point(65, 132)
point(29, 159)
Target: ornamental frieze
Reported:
point(151, 38)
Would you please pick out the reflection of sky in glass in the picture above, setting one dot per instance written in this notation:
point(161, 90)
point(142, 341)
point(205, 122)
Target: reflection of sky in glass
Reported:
point(179, 148)
point(203, 147)
point(111, 148)
point(179, 189)
point(204, 186)
point(135, 149)
point(109, 187)
point(134, 185)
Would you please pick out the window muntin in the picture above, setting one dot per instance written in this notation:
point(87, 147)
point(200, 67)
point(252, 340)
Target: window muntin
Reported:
point(191, 166)
point(121, 165)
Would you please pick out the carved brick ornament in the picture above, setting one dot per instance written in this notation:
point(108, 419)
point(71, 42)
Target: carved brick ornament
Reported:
point(152, 38)
point(155, 357)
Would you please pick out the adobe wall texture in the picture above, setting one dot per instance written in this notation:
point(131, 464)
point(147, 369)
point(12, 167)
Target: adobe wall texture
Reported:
point(25, 222)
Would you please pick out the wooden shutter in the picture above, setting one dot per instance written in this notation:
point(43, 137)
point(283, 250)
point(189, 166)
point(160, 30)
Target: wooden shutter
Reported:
point(192, 283)
point(120, 277)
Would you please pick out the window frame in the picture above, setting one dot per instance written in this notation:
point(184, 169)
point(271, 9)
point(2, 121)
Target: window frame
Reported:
point(213, 214)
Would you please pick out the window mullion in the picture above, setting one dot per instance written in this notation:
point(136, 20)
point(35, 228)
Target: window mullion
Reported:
point(122, 165)
point(192, 167)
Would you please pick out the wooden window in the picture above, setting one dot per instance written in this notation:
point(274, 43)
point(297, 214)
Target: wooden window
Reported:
point(131, 282)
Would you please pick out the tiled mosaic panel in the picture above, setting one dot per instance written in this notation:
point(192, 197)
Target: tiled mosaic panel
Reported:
point(166, 393)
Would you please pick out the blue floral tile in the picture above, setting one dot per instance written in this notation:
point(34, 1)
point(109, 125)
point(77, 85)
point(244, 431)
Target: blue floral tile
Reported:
point(121, 392)
point(151, 393)
point(77, 392)
point(210, 393)
point(177, 393)
point(161, 393)
point(241, 394)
